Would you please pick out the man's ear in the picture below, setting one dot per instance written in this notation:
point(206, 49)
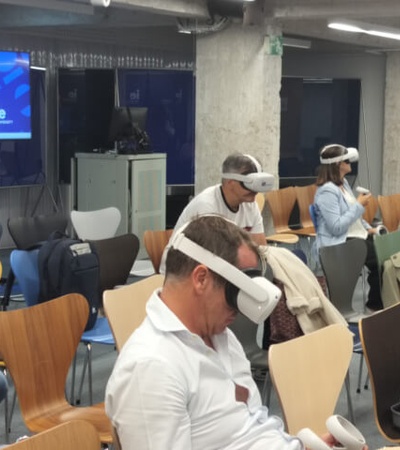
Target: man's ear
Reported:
point(201, 277)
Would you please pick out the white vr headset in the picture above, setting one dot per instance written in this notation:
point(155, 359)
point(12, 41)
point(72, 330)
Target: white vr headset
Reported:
point(255, 297)
point(350, 154)
point(256, 182)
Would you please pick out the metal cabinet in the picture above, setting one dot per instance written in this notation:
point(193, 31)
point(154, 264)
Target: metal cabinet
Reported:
point(136, 184)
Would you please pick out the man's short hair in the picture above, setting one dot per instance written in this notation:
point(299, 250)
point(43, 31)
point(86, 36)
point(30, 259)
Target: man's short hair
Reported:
point(214, 233)
point(238, 163)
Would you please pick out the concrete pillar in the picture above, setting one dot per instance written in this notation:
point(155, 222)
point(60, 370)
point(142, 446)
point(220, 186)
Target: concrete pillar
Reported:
point(238, 80)
point(391, 148)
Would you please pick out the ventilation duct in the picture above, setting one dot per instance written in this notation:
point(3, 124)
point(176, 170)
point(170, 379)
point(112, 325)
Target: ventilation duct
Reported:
point(193, 26)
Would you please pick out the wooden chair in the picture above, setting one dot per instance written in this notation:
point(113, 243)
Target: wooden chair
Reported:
point(380, 335)
point(155, 242)
point(97, 224)
point(389, 206)
point(283, 234)
point(281, 203)
point(305, 198)
point(371, 210)
point(50, 333)
point(308, 374)
point(75, 434)
point(125, 308)
point(260, 200)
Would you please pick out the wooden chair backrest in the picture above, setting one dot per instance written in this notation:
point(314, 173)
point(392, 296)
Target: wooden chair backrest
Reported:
point(125, 307)
point(389, 206)
point(260, 200)
point(50, 333)
point(281, 203)
point(371, 210)
point(38, 345)
point(305, 197)
point(297, 368)
point(380, 335)
point(155, 242)
point(75, 434)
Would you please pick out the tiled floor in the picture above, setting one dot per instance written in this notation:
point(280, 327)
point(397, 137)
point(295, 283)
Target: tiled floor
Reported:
point(104, 357)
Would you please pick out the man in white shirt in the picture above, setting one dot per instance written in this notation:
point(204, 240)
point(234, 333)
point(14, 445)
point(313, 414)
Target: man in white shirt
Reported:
point(182, 380)
point(233, 198)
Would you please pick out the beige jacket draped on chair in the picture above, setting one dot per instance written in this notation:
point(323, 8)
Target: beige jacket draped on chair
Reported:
point(305, 297)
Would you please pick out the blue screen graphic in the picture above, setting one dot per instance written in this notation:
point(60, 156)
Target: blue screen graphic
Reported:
point(15, 96)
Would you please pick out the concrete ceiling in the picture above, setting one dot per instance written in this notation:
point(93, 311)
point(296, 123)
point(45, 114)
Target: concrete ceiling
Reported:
point(156, 19)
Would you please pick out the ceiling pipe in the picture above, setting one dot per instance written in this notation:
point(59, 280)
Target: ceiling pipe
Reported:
point(178, 8)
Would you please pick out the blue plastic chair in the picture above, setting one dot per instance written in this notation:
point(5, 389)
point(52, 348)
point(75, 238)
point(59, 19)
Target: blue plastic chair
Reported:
point(313, 215)
point(24, 264)
point(99, 334)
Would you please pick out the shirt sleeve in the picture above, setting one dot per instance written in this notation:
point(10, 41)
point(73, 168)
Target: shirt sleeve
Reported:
point(149, 409)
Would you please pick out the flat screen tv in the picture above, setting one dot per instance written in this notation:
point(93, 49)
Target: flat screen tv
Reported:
point(22, 161)
point(15, 96)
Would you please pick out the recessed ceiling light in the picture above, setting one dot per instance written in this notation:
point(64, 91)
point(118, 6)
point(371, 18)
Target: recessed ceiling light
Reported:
point(366, 28)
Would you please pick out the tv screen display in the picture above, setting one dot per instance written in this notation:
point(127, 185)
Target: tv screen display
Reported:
point(15, 96)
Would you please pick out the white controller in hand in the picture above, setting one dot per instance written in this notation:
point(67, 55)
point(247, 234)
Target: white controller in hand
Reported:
point(341, 429)
point(311, 440)
point(362, 190)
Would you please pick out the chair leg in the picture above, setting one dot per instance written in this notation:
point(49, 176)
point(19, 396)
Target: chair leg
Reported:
point(349, 402)
point(366, 383)
point(11, 412)
point(360, 370)
point(6, 425)
point(266, 390)
point(8, 413)
point(7, 290)
point(72, 394)
point(87, 363)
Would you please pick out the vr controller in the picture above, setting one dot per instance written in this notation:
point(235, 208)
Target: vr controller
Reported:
point(362, 190)
point(345, 433)
point(255, 297)
point(381, 229)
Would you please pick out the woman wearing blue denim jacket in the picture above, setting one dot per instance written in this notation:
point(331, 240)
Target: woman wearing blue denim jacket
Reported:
point(339, 212)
